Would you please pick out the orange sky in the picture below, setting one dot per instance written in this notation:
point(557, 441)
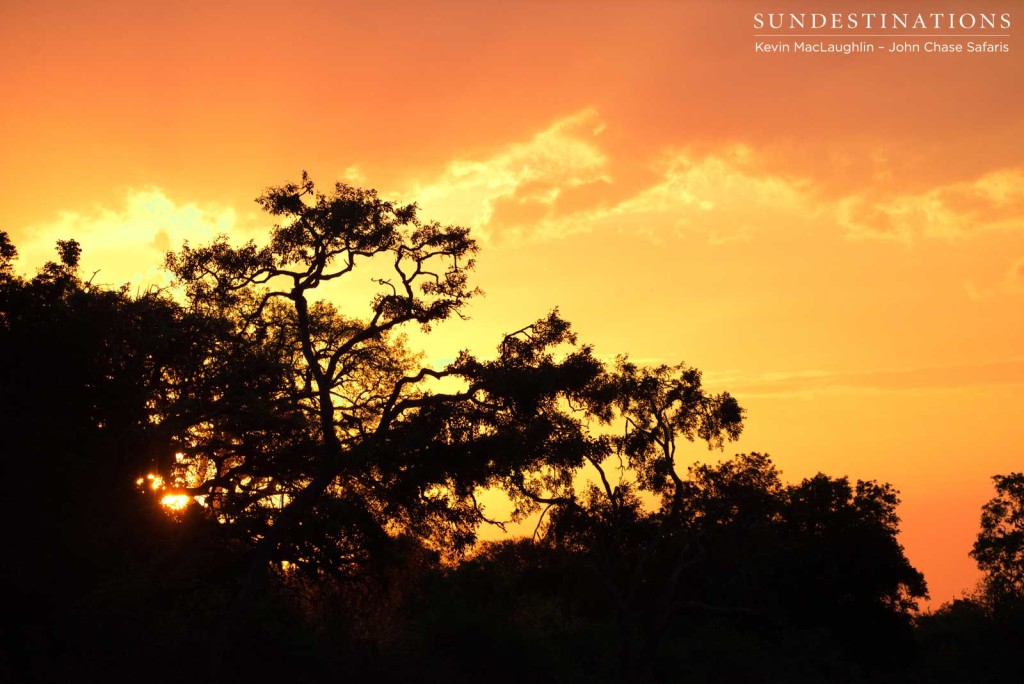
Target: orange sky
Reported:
point(839, 241)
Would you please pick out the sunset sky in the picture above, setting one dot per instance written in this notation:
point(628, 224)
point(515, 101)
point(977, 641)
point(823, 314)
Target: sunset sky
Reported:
point(836, 240)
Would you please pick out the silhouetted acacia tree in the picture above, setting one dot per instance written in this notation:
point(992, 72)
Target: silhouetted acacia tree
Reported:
point(329, 490)
point(369, 445)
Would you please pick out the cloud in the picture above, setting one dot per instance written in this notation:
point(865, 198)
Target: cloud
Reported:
point(812, 383)
point(565, 181)
point(721, 198)
point(994, 201)
point(562, 182)
point(533, 172)
point(127, 244)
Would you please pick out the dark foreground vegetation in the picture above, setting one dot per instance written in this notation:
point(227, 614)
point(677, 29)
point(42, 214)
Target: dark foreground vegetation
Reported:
point(238, 481)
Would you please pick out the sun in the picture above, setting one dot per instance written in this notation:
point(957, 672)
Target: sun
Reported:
point(174, 501)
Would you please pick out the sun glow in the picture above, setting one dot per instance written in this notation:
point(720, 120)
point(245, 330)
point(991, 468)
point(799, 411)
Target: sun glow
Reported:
point(171, 500)
point(176, 502)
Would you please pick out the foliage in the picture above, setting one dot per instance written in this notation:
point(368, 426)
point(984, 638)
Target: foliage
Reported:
point(999, 549)
point(333, 483)
point(360, 443)
point(92, 379)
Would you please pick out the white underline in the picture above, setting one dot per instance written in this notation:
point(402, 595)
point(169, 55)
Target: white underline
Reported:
point(881, 35)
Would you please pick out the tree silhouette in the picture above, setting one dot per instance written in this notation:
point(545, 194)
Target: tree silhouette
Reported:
point(361, 445)
point(373, 448)
point(638, 556)
point(979, 637)
point(315, 473)
point(999, 549)
point(89, 404)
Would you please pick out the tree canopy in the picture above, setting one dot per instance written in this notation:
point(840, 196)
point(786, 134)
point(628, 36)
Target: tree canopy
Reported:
point(999, 549)
point(247, 449)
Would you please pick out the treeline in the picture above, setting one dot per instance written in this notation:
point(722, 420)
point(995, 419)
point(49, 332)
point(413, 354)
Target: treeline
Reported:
point(235, 480)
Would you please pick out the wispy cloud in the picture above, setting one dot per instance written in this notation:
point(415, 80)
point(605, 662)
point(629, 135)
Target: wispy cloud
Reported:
point(994, 201)
point(812, 382)
point(534, 172)
point(560, 182)
point(563, 181)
